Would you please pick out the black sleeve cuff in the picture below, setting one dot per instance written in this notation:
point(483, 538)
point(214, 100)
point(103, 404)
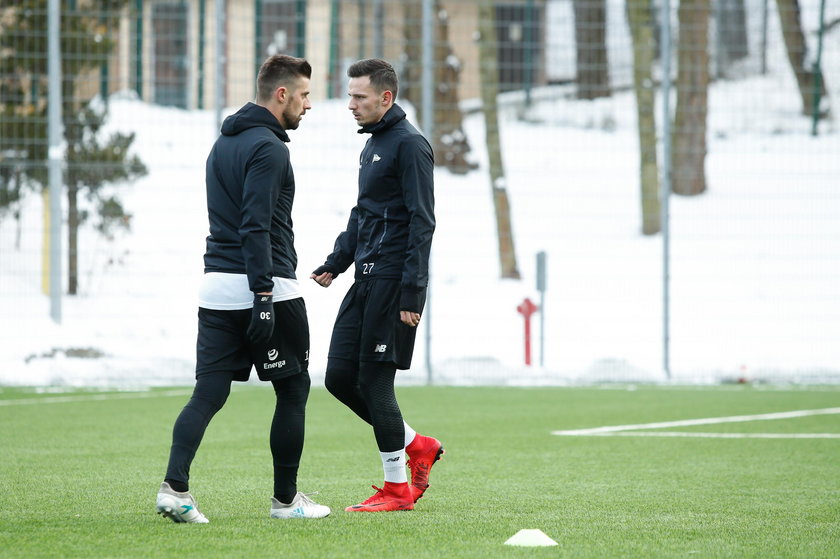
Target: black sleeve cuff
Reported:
point(410, 299)
point(326, 268)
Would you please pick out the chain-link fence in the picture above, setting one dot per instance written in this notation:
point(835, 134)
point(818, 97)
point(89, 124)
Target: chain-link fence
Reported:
point(699, 246)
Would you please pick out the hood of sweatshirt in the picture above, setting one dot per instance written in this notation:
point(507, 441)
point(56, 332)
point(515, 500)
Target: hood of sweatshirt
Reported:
point(252, 116)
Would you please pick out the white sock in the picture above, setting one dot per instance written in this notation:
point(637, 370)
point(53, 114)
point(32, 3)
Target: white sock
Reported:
point(394, 465)
point(409, 433)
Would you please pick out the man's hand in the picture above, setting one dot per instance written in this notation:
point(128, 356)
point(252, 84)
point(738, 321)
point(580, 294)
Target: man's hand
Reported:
point(323, 275)
point(410, 318)
point(262, 319)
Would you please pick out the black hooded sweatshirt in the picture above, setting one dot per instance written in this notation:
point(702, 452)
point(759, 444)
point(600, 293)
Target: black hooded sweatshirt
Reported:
point(250, 190)
point(389, 234)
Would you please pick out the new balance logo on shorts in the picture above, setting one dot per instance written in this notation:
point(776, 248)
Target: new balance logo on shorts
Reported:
point(380, 348)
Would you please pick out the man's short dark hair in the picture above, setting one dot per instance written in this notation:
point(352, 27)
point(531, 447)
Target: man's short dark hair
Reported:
point(381, 73)
point(280, 70)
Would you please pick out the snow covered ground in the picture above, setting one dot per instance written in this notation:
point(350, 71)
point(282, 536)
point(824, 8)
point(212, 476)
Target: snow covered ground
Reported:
point(755, 261)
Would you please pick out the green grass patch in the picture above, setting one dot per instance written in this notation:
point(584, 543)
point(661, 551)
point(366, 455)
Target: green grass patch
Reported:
point(80, 471)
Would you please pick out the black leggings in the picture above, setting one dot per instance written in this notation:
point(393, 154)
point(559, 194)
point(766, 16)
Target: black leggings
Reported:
point(367, 388)
point(285, 438)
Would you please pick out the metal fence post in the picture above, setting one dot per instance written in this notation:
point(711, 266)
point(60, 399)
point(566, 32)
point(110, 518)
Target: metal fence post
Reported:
point(541, 287)
point(428, 124)
point(220, 62)
point(55, 156)
point(665, 186)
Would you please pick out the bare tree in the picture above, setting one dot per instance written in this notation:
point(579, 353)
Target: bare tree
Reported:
point(644, 49)
point(593, 79)
point(731, 33)
point(450, 143)
point(488, 67)
point(688, 158)
point(810, 80)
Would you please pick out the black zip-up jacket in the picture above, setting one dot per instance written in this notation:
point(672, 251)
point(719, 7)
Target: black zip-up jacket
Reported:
point(250, 190)
point(389, 234)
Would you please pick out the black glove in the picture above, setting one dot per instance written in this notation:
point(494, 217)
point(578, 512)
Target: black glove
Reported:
point(326, 268)
point(262, 319)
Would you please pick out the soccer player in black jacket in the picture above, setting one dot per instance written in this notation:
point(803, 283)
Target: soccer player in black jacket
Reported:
point(251, 313)
point(388, 238)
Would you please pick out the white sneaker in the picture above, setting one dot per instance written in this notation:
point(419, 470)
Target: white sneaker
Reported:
point(178, 507)
point(301, 507)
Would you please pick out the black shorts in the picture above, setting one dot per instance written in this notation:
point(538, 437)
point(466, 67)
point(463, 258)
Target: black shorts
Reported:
point(223, 343)
point(368, 325)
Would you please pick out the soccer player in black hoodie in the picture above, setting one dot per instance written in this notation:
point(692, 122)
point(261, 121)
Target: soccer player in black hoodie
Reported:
point(388, 237)
point(251, 313)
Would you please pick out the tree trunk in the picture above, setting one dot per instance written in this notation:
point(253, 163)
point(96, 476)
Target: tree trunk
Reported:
point(450, 143)
point(731, 31)
point(72, 238)
point(644, 49)
point(593, 79)
point(488, 68)
point(72, 137)
point(410, 79)
point(688, 158)
point(797, 51)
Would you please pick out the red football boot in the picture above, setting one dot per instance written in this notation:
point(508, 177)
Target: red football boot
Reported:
point(423, 452)
point(394, 496)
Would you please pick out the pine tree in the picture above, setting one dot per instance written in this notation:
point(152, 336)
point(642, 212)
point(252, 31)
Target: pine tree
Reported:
point(92, 161)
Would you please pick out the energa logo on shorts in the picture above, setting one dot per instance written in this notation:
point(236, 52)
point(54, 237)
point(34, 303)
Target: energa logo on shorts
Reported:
point(272, 355)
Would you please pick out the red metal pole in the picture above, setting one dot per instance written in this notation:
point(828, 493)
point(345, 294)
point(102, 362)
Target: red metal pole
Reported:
point(528, 340)
point(526, 309)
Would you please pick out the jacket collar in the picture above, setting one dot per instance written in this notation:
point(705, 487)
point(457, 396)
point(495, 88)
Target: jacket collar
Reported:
point(389, 119)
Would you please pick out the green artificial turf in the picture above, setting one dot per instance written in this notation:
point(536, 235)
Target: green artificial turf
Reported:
point(79, 472)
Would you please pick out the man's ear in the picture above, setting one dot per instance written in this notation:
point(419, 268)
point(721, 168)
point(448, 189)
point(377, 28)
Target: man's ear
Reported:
point(280, 94)
point(387, 98)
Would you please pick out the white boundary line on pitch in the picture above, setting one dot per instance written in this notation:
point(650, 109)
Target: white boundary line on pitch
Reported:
point(632, 430)
point(690, 434)
point(94, 397)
